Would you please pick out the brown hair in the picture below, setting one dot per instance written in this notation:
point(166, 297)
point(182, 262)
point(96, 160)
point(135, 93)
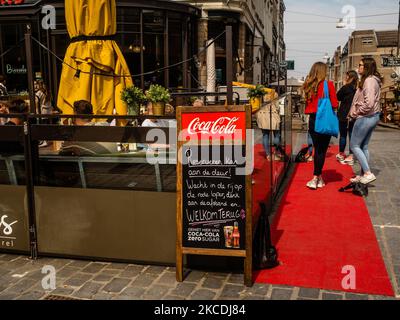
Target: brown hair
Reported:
point(43, 88)
point(353, 77)
point(83, 107)
point(317, 74)
point(2, 78)
point(370, 69)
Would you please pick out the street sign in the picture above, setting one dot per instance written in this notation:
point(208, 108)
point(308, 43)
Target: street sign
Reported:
point(288, 64)
point(390, 61)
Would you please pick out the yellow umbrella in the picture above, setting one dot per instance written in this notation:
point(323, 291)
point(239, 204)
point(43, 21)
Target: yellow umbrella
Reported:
point(91, 25)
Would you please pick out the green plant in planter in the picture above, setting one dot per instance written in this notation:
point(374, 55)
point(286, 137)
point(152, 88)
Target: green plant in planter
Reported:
point(256, 92)
point(157, 94)
point(133, 97)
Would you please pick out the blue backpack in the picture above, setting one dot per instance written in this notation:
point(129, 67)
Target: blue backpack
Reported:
point(326, 121)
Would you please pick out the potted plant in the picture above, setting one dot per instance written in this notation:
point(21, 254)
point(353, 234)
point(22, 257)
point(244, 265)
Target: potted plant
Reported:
point(158, 96)
point(134, 98)
point(256, 94)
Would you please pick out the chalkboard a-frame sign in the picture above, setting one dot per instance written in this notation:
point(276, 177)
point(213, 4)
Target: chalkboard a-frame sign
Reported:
point(214, 189)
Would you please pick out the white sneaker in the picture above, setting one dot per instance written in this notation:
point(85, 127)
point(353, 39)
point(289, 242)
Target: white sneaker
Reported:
point(321, 183)
point(43, 144)
point(313, 184)
point(348, 161)
point(355, 179)
point(366, 179)
point(340, 157)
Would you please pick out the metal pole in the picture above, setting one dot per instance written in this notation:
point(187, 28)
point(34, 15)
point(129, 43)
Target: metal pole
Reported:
point(30, 192)
point(229, 65)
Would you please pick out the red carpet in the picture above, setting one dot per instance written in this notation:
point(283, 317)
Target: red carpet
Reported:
point(317, 233)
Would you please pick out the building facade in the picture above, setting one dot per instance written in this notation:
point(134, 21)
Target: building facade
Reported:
point(152, 34)
point(365, 43)
point(258, 28)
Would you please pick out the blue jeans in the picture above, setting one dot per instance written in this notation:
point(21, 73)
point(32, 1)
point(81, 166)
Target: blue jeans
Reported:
point(346, 128)
point(266, 138)
point(362, 132)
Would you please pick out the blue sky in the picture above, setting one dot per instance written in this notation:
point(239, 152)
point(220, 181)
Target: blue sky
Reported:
point(309, 37)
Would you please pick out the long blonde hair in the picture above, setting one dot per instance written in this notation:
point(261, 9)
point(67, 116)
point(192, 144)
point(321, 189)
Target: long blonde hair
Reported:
point(317, 74)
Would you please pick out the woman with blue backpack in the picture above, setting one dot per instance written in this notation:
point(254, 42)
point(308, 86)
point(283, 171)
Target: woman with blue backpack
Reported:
point(320, 93)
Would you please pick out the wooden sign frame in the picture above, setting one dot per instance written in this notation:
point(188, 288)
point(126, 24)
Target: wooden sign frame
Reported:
point(180, 250)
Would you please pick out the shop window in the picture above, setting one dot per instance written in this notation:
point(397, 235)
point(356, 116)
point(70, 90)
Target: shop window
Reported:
point(175, 43)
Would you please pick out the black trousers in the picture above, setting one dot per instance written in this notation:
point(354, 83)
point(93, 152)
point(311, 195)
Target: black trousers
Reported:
point(321, 144)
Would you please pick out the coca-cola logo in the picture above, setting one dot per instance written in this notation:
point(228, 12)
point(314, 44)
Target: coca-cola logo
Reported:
point(11, 2)
point(222, 125)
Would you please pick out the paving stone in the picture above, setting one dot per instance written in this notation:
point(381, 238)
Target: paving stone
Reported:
point(94, 267)
point(131, 271)
point(195, 276)
point(63, 291)
point(254, 297)
point(155, 270)
point(103, 278)
point(7, 296)
point(133, 292)
point(309, 293)
point(331, 296)
point(231, 291)
point(183, 289)
point(353, 296)
point(236, 279)
point(78, 280)
point(258, 289)
point(212, 283)
point(116, 285)
point(156, 292)
point(32, 295)
point(78, 263)
point(67, 272)
point(171, 297)
point(203, 294)
point(144, 280)
point(8, 257)
point(168, 278)
point(22, 286)
point(88, 290)
point(103, 296)
point(281, 294)
point(116, 266)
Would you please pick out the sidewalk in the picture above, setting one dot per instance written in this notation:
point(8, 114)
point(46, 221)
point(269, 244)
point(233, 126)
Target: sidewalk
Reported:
point(389, 125)
point(21, 278)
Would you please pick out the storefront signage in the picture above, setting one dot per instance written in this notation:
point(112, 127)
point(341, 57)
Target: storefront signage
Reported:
point(214, 192)
point(16, 70)
point(213, 199)
point(390, 61)
point(7, 237)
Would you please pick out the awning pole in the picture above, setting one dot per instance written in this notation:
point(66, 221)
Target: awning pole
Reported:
point(29, 151)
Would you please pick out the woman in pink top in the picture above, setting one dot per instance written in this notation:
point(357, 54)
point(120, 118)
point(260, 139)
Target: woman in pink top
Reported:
point(366, 109)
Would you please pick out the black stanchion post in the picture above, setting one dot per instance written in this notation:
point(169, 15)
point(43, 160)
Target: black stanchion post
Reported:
point(30, 192)
point(229, 65)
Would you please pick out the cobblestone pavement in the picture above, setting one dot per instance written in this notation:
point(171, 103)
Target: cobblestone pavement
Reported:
point(21, 278)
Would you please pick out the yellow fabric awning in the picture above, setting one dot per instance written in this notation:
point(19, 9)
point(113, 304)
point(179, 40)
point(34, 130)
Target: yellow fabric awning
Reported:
point(93, 18)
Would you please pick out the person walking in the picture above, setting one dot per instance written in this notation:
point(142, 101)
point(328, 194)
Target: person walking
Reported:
point(268, 120)
point(43, 104)
point(366, 110)
point(345, 96)
point(313, 89)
